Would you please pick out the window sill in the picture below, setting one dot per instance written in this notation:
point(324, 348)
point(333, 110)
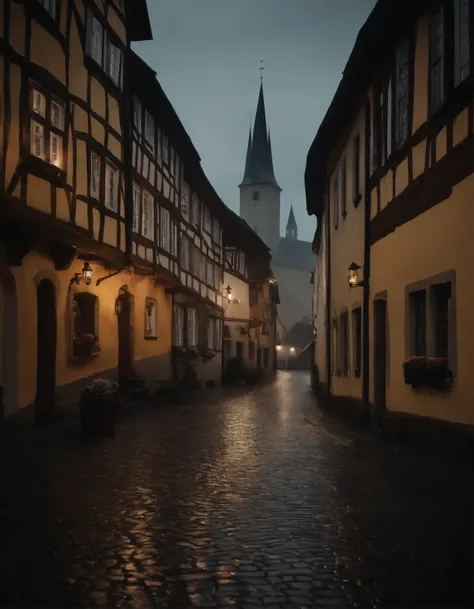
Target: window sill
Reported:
point(42, 169)
point(150, 337)
point(84, 359)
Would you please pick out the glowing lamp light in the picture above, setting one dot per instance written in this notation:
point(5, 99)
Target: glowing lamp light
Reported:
point(353, 277)
point(87, 273)
point(292, 349)
point(229, 293)
point(279, 347)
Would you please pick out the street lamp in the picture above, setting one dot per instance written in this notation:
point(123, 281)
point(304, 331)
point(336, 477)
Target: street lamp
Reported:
point(229, 293)
point(86, 275)
point(353, 277)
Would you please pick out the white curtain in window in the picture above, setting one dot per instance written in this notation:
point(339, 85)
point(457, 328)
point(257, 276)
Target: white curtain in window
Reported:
point(192, 328)
point(178, 326)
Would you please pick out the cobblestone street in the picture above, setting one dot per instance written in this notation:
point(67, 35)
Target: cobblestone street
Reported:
point(239, 501)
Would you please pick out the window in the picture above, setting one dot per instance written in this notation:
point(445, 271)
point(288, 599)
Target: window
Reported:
point(136, 207)
point(172, 162)
point(178, 326)
point(210, 273)
point(165, 229)
point(344, 346)
point(215, 231)
point(185, 201)
point(174, 239)
point(335, 347)
point(111, 187)
point(343, 187)
point(462, 42)
point(202, 267)
point(164, 140)
point(149, 131)
point(242, 268)
point(147, 215)
point(85, 339)
point(192, 328)
point(137, 114)
point(211, 333)
point(47, 127)
point(402, 94)
point(217, 277)
point(207, 220)
point(356, 169)
point(357, 340)
point(158, 147)
point(196, 210)
point(441, 301)
point(336, 202)
point(185, 258)
point(51, 6)
point(150, 318)
point(102, 51)
point(95, 175)
point(255, 195)
point(418, 323)
point(437, 59)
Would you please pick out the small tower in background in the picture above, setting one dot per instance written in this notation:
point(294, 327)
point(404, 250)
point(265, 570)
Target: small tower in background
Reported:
point(291, 226)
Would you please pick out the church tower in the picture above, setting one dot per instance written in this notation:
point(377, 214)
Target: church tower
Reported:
point(259, 190)
point(291, 226)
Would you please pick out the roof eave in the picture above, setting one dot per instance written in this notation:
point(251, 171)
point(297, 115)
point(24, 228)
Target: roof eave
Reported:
point(138, 21)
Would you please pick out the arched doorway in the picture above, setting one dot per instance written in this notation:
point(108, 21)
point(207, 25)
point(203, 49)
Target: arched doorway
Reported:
point(46, 351)
point(8, 345)
point(124, 315)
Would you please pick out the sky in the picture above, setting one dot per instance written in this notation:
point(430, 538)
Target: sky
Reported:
point(207, 56)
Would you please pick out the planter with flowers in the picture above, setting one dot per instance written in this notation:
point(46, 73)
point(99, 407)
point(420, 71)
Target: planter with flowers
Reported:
point(207, 354)
point(85, 345)
point(98, 404)
point(431, 372)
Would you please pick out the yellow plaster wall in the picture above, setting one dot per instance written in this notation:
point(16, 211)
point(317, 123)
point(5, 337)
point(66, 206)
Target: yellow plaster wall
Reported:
point(47, 52)
point(37, 265)
point(460, 127)
point(116, 23)
point(446, 244)
point(97, 97)
point(114, 114)
point(77, 74)
point(39, 194)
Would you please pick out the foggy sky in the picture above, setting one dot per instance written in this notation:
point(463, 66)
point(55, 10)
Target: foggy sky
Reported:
point(207, 56)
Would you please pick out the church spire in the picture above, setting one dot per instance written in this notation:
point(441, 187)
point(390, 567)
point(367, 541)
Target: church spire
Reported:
point(249, 152)
point(291, 226)
point(259, 161)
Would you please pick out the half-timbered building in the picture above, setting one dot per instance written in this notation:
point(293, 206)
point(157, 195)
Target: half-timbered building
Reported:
point(390, 178)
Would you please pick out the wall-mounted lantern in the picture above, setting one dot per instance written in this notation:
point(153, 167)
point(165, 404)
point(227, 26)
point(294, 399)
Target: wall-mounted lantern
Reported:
point(279, 347)
point(86, 275)
point(292, 349)
point(353, 277)
point(229, 293)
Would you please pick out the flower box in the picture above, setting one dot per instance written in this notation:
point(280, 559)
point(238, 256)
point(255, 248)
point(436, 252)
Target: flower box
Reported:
point(432, 372)
point(98, 405)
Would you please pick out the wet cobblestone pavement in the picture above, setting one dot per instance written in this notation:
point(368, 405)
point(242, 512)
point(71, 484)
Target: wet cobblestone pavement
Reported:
point(235, 502)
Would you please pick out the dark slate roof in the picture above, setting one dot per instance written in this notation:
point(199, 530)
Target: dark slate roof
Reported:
point(259, 161)
point(300, 335)
point(295, 254)
point(138, 21)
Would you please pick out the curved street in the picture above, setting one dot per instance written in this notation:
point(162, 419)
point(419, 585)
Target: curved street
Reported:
point(234, 500)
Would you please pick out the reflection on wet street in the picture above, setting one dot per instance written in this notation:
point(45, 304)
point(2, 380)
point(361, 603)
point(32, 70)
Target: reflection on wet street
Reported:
point(232, 502)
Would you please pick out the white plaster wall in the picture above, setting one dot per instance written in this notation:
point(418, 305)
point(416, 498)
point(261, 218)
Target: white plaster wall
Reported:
point(240, 292)
point(319, 305)
point(263, 215)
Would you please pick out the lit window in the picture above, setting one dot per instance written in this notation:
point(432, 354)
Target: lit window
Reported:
point(111, 187)
point(95, 175)
point(47, 127)
point(37, 139)
point(150, 318)
point(136, 207)
point(39, 103)
point(178, 326)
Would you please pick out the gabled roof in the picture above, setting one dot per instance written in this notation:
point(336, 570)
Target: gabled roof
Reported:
point(259, 161)
point(374, 46)
point(138, 21)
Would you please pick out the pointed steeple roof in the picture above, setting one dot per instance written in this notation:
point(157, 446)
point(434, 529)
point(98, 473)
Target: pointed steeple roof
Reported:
point(259, 161)
point(249, 152)
point(291, 226)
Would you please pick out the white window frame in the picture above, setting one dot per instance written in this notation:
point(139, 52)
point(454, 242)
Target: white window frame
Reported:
point(114, 63)
point(178, 334)
point(192, 326)
point(47, 137)
point(95, 167)
point(111, 202)
point(137, 203)
point(37, 140)
point(95, 39)
point(147, 215)
point(150, 318)
point(165, 230)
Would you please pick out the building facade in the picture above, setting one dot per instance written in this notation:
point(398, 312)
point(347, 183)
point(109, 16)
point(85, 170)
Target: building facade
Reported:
point(389, 177)
point(260, 193)
point(111, 254)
